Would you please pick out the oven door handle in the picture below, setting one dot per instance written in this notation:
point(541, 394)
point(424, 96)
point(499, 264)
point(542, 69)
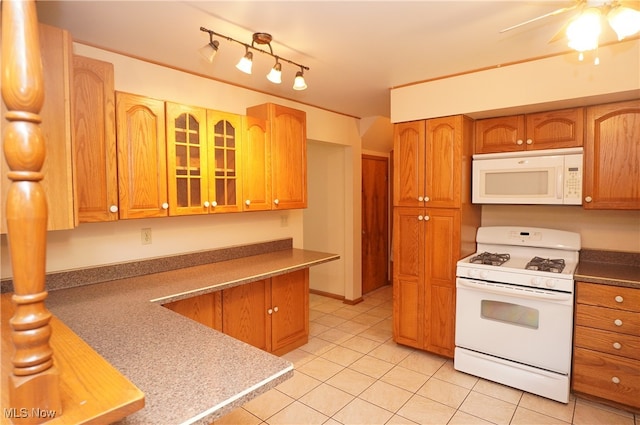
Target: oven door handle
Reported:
point(533, 294)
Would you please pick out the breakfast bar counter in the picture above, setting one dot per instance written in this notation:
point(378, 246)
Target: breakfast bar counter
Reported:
point(189, 373)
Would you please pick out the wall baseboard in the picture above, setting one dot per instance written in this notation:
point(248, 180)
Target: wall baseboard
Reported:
point(336, 297)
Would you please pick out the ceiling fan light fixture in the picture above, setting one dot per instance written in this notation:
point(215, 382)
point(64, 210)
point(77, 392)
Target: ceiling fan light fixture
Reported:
point(298, 82)
point(624, 21)
point(275, 75)
point(246, 62)
point(584, 31)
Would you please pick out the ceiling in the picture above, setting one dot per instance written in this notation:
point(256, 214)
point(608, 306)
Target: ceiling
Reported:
point(356, 50)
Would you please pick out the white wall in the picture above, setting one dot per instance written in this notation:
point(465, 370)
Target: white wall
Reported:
point(107, 243)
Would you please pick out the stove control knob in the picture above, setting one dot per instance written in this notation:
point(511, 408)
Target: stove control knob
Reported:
point(472, 273)
point(551, 283)
point(484, 274)
point(536, 281)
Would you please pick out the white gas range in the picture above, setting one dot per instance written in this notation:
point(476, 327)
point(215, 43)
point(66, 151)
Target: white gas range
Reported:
point(514, 308)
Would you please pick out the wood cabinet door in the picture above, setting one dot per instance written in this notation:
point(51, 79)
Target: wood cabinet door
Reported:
point(409, 157)
point(205, 309)
point(408, 279)
point(94, 140)
point(245, 313)
point(58, 168)
point(288, 157)
point(502, 134)
point(225, 161)
point(443, 162)
point(256, 165)
point(290, 311)
point(187, 152)
point(555, 129)
point(142, 159)
point(442, 251)
point(611, 156)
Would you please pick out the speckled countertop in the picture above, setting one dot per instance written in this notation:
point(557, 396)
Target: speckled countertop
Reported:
point(188, 372)
point(609, 268)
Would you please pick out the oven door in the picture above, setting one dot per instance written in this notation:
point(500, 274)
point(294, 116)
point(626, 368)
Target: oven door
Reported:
point(525, 325)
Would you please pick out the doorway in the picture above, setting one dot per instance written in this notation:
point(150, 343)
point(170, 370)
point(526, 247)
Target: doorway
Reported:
point(375, 222)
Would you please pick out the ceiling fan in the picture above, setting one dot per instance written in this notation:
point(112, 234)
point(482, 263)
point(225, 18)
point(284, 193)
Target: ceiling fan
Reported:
point(583, 29)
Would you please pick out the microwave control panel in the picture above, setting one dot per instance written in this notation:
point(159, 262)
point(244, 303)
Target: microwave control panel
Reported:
point(573, 179)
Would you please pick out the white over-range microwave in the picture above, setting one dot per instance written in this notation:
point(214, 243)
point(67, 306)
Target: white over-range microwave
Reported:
point(552, 177)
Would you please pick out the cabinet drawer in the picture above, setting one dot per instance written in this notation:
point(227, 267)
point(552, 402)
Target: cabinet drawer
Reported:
point(603, 375)
point(608, 296)
point(608, 319)
point(608, 342)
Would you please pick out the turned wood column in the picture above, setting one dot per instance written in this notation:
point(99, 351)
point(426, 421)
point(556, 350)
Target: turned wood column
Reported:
point(34, 381)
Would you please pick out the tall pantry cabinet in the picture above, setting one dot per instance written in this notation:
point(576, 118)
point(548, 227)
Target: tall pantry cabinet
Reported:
point(434, 226)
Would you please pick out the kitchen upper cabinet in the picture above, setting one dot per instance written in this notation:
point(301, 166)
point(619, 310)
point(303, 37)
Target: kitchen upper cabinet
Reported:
point(288, 134)
point(545, 130)
point(611, 156)
point(256, 165)
point(56, 114)
point(225, 142)
point(205, 309)
point(271, 314)
point(203, 152)
point(434, 226)
point(94, 140)
point(429, 159)
point(606, 359)
point(142, 158)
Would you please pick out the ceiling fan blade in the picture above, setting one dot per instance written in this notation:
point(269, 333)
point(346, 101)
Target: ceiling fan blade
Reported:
point(546, 15)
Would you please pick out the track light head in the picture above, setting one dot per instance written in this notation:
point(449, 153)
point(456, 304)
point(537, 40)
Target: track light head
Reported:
point(275, 75)
point(246, 62)
point(208, 51)
point(298, 82)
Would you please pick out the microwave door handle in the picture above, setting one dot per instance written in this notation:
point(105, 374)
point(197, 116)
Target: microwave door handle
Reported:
point(559, 182)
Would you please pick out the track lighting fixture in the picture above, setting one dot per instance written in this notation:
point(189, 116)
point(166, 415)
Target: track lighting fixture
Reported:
point(261, 38)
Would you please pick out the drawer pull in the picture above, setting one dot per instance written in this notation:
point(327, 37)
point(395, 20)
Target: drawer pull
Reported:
point(619, 299)
point(615, 380)
point(618, 322)
point(617, 345)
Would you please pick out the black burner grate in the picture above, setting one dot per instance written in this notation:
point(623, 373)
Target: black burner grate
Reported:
point(489, 258)
point(546, 265)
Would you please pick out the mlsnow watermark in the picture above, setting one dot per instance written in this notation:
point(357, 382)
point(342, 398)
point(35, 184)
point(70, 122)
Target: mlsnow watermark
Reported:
point(24, 413)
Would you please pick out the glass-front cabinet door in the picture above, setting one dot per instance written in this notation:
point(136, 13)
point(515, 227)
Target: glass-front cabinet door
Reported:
point(187, 159)
point(225, 141)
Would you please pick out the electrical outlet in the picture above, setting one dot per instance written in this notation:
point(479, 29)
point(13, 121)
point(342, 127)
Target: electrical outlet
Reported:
point(284, 220)
point(145, 236)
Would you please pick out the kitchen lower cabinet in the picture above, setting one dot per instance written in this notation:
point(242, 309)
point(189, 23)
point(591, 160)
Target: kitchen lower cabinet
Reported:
point(94, 140)
point(58, 168)
point(142, 156)
point(426, 248)
point(606, 354)
point(205, 309)
point(270, 314)
point(611, 156)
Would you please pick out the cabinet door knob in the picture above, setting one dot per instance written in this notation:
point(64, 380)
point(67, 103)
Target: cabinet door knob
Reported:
point(529, 142)
point(617, 345)
point(214, 204)
point(420, 198)
point(270, 311)
point(247, 202)
point(426, 199)
point(588, 199)
point(165, 206)
point(420, 218)
point(615, 380)
point(619, 298)
point(519, 142)
point(426, 218)
point(113, 208)
point(275, 309)
point(618, 322)
point(276, 201)
point(206, 204)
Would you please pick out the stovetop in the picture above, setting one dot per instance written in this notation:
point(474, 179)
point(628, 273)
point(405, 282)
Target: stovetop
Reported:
point(533, 257)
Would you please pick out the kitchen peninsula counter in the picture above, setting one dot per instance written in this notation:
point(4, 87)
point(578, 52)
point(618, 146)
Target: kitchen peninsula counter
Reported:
point(609, 268)
point(189, 373)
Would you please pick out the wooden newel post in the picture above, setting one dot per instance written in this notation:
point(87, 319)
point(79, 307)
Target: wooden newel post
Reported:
point(34, 383)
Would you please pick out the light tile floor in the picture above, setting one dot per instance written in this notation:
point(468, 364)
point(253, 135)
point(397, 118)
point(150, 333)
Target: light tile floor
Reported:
point(351, 372)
